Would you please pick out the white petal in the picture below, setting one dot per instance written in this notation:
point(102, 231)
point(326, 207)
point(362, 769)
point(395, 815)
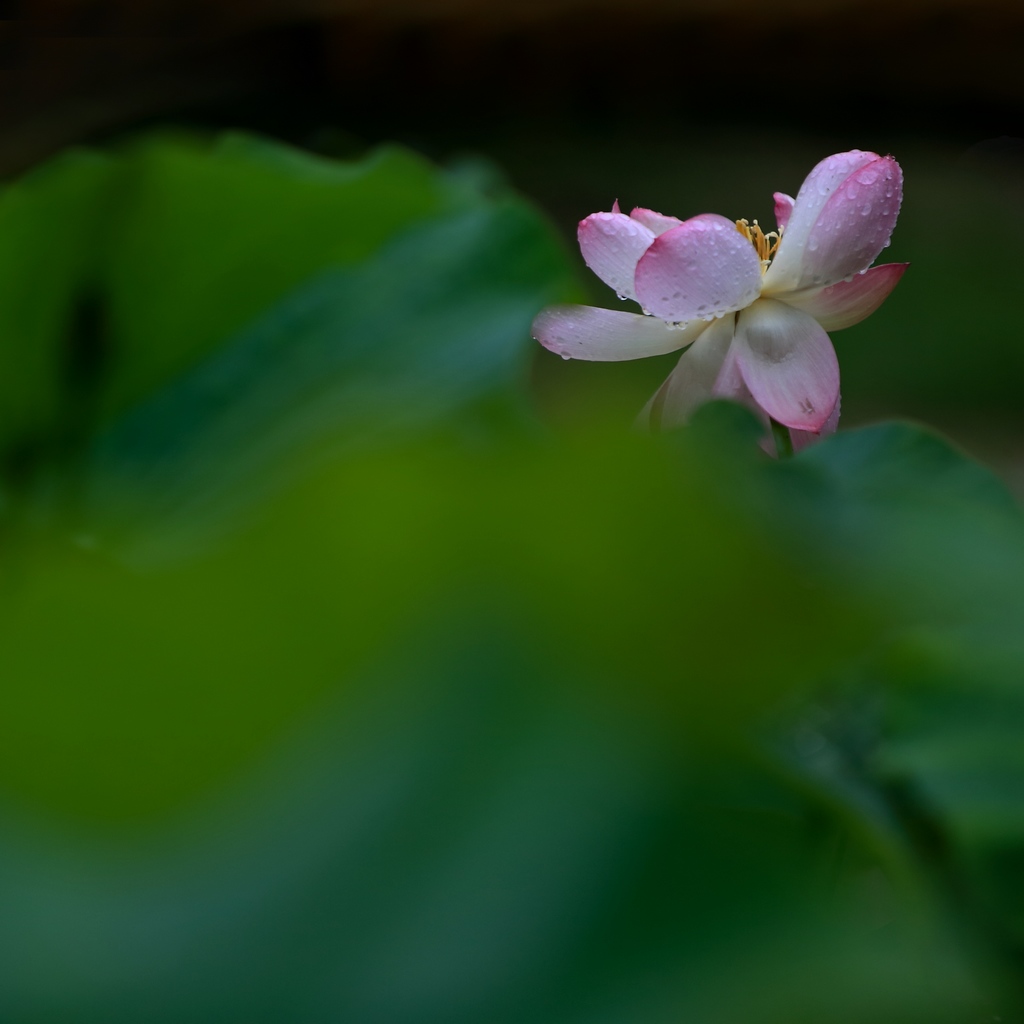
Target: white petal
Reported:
point(693, 380)
point(609, 335)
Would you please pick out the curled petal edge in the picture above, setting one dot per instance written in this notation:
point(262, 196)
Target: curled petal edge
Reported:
point(844, 304)
point(783, 208)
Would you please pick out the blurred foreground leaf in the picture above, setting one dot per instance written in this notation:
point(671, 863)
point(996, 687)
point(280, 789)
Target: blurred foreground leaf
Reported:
point(336, 688)
point(510, 698)
point(120, 272)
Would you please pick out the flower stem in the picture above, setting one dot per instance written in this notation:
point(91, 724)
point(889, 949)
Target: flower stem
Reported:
point(783, 440)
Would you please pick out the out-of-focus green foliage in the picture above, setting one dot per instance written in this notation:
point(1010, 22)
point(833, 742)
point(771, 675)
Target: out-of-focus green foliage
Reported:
point(338, 688)
point(51, 224)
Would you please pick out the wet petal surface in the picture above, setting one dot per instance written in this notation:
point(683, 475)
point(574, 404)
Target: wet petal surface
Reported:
point(702, 268)
point(842, 218)
point(788, 363)
point(612, 244)
point(608, 335)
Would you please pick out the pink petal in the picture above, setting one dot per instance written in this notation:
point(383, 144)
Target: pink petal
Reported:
point(814, 193)
point(803, 438)
point(659, 223)
point(608, 335)
point(788, 362)
point(848, 302)
point(693, 380)
point(783, 208)
point(612, 244)
point(730, 384)
point(703, 268)
point(842, 218)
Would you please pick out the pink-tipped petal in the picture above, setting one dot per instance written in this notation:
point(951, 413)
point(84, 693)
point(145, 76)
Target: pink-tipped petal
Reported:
point(788, 362)
point(802, 438)
point(818, 186)
point(730, 384)
point(612, 244)
point(783, 208)
point(855, 224)
point(659, 223)
point(702, 268)
point(692, 382)
point(608, 335)
point(841, 220)
point(848, 302)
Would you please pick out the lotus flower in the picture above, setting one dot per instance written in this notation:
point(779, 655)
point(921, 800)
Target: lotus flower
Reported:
point(751, 309)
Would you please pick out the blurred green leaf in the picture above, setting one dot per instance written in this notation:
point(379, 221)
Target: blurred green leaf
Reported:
point(430, 326)
point(338, 689)
point(921, 531)
point(124, 269)
point(52, 223)
point(208, 237)
point(469, 839)
point(912, 523)
point(382, 340)
point(559, 788)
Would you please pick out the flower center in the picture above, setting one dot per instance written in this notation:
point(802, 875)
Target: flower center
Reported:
point(764, 244)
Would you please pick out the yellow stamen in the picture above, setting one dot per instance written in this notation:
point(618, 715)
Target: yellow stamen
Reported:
point(764, 244)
